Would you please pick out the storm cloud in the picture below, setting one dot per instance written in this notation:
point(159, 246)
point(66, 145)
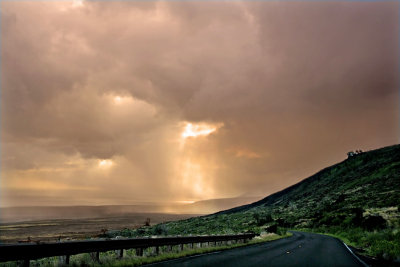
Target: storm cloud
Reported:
point(96, 96)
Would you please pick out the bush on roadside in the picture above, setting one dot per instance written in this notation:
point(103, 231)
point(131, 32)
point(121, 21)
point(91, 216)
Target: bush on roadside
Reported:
point(388, 250)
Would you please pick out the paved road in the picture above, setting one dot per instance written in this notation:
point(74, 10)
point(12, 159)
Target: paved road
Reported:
point(301, 249)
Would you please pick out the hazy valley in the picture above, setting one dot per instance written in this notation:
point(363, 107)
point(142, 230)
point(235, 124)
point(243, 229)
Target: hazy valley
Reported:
point(79, 222)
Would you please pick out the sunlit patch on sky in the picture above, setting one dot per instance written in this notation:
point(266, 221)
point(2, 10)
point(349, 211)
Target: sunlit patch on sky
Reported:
point(119, 100)
point(77, 3)
point(105, 163)
point(202, 129)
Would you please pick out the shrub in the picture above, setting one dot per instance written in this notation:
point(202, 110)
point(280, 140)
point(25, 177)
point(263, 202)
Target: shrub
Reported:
point(374, 222)
point(160, 229)
point(389, 250)
point(262, 220)
point(272, 228)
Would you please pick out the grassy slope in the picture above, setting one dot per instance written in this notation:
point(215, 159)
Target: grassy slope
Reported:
point(357, 199)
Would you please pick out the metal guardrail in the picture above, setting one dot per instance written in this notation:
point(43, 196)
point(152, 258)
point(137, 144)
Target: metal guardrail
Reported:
point(27, 252)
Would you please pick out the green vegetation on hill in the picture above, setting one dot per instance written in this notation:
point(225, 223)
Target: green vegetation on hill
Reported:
point(357, 200)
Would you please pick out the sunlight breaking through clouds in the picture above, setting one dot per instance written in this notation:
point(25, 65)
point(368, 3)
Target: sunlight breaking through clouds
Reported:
point(77, 3)
point(105, 163)
point(202, 129)
point(194, 171)
point(193, 179)
point(119, 100)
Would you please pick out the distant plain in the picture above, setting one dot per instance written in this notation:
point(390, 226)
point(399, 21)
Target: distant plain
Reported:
point(45, 230)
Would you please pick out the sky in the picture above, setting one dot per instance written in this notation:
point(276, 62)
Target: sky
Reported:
point(167, 101)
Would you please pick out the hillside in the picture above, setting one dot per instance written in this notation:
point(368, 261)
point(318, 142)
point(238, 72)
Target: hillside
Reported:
point(367, 180)
point(358, 199)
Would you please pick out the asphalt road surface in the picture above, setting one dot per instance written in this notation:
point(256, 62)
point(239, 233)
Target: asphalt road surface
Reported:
point(301, 249)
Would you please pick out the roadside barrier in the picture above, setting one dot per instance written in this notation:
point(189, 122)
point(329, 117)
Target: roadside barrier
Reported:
point(29, 251)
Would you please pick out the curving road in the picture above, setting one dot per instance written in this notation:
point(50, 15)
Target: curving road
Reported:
point(301, 249)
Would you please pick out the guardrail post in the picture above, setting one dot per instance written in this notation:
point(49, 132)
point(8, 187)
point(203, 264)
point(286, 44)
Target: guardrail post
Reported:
point(63, 259)
point(139, 252)
point(181, 247)
point(95, 256)
point(191, 245)
point(67, 259)
point(157, 250)
point(26, 263)
point(121, 253)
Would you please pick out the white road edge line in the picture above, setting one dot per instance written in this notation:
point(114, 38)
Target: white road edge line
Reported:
point(360, 260)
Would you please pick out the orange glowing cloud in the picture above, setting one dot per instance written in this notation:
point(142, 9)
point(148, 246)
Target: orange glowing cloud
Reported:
point(200, 129)
point(105, 163)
